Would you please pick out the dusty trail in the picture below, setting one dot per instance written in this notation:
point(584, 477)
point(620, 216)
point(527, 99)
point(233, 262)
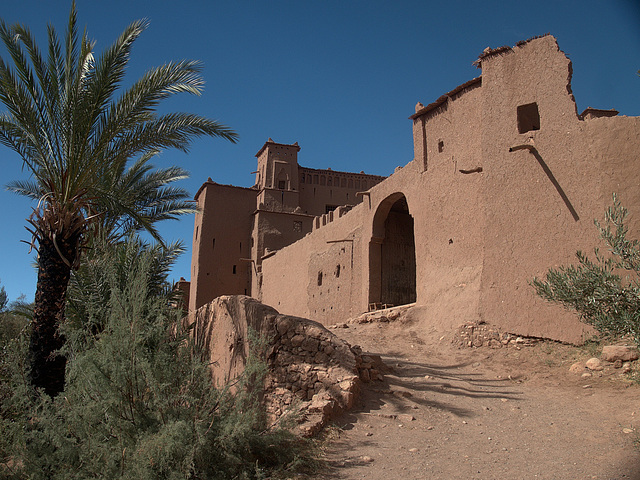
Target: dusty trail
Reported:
point(449, 413)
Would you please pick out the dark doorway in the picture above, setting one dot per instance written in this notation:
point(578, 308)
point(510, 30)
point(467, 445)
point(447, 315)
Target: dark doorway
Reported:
point(392, 254)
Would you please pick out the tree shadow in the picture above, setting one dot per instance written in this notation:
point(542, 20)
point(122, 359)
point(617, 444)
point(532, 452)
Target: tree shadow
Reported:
point(429, 385)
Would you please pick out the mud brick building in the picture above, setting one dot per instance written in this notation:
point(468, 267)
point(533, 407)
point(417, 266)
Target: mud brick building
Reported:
point(506, 180)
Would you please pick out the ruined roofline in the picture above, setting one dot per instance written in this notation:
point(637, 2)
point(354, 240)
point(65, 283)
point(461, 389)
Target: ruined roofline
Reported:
point(598, 112)
point(297, 214)
point(487, 53)
point(271, 142)
point(444, 98)
point(492, 52)
point(211, 182)
point(330, 171)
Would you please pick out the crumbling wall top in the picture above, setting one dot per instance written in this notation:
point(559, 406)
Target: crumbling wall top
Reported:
point(492, 52)
point(590, 113)
point(459, 90)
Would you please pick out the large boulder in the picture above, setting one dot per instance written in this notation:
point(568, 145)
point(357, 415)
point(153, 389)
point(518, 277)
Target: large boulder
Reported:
point(313, 374)
point(223, 327)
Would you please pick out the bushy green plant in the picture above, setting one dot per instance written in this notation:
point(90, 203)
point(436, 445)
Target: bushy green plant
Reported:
point(106, 264)
point(13, 327)
point(595, 289)
point(139, 401)
point(3, 299)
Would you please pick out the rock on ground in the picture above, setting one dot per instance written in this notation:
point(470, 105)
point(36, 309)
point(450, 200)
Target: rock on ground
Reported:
point(612, 353)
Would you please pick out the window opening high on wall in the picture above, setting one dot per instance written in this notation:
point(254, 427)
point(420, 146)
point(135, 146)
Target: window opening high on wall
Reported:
point(528, 118)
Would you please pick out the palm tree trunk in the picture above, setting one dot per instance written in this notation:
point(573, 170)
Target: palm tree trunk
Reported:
point(47, 366)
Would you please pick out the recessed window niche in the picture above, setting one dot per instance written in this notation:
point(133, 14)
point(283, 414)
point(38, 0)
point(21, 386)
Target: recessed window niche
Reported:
point(528, 118)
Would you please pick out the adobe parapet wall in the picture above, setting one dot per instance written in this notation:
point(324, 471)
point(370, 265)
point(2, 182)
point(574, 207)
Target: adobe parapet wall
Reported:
point(505, 183)
point(321, 272)
point(329, 177)
point(322, 220)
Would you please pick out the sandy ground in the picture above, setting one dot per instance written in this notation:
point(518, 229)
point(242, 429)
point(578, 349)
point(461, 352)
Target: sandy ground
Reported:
point(445, 412)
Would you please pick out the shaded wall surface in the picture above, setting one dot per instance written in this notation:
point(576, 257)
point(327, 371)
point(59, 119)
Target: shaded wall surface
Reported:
point(505, 183)
point(221, 243)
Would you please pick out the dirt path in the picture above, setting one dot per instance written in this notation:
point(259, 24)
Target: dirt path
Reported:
point(508, 413)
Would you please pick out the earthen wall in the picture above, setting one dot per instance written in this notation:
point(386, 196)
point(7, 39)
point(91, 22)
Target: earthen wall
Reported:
point(323, 190)
point(309, 272)
point(505, 183)
point(541, 199)
point(448, 249)
point(221, 243)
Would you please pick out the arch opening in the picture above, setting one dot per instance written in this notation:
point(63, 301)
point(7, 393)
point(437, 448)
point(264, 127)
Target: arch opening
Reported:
point(282, 180)
point(392, 254)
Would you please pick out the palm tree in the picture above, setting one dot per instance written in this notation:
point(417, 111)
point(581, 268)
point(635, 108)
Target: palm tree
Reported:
point(78, 131)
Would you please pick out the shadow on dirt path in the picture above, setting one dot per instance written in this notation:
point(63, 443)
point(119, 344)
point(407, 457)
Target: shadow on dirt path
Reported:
point(442, 413)
point(415, 384)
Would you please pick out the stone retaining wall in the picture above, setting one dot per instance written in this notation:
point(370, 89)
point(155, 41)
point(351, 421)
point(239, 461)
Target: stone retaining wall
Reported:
point(313, 374)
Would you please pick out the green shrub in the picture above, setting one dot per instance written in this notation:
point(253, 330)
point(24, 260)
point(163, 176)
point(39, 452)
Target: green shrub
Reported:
point(139, 402)
point(595, 289)
point(3, 299)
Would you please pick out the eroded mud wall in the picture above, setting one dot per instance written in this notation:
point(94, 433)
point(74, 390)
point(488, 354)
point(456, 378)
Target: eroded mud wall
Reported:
point(505, 183)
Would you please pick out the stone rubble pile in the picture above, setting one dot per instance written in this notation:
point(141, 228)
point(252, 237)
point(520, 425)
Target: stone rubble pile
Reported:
point(385, 315)
point(312, 373)
point(472, 335)
point(616, 356)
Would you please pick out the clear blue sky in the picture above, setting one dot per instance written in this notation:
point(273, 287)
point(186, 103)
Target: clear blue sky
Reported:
point(339, 77)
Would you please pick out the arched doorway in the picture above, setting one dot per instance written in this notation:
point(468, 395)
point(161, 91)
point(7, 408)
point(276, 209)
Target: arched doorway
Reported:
point(392, 254)
point(282, 180)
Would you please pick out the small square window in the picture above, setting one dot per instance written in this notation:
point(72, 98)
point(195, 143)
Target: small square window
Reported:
point(528, 118)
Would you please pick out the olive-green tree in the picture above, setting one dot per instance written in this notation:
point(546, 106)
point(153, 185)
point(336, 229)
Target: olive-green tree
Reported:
point(86, 142)
point(3, 299)
point(595, 289)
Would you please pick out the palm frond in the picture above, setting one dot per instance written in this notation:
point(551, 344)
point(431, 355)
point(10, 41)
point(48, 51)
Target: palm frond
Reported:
point(27, 188)
point(86, 145)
